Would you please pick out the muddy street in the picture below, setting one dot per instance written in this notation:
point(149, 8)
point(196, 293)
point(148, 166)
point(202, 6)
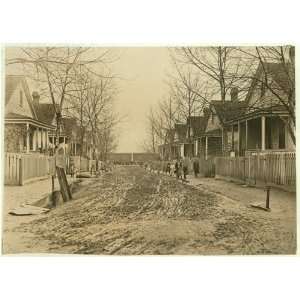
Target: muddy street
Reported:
point(131, 211)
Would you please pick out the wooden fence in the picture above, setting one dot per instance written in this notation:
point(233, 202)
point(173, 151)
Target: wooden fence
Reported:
point(80, 163)
point(269, 168)
point(20, 168)
point(12, 168)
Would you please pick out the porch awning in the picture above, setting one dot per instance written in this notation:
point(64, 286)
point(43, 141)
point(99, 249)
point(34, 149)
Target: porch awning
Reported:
point(212, 133)
point(276, 111)
point(13, 118)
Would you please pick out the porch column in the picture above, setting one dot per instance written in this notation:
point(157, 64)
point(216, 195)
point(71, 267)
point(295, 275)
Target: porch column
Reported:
point(196, 148)
point(47, 139)
point(246, 136)
point(75, 153)
point(27, 138)
point(42, 139)
point(239, 133)
point(39, 131)
point(263, 133)
point(34, 140)
point(232, 138)
point(206, 147)
point(182, 150)
point(200, 146)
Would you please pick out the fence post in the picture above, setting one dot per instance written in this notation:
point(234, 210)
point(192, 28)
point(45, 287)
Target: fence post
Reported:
point(21, 171)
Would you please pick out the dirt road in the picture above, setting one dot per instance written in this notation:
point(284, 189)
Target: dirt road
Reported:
point(131, 211)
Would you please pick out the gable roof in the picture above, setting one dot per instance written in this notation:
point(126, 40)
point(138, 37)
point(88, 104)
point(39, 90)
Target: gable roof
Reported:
point(11, 83)
point(198, 124)
point(229, 109)
point(279, 73)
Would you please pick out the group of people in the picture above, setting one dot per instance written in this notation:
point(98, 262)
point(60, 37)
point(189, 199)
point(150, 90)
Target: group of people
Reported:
point(180, 168)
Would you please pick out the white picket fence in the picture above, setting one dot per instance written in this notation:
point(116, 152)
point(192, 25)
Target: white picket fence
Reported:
point(20, 168)
point(274, 168)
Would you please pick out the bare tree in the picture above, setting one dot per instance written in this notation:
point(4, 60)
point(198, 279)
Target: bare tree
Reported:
point(275, 79)
point(56, 69)
point(221, 68)
point(161, 119)
point(190, 95)
point(106, 136)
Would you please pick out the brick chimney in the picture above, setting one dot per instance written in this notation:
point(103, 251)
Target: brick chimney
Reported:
point(234, 93)
point(35, 98)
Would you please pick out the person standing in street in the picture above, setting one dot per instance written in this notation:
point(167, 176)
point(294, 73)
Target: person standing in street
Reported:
point(180, 169)
point(168, 169)
point(196, 167)
point(185, 167)
point(177, 169)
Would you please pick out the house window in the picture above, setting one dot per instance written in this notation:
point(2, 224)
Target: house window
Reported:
point(21, 98)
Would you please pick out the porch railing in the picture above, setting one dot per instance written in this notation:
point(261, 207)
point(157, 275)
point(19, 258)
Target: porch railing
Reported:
point(269, 168)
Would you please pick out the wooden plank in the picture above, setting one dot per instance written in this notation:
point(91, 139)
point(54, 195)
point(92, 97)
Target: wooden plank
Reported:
point(64, 188)
point(63, 173)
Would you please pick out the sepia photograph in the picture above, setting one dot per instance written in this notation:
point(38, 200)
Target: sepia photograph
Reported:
point(187, 150)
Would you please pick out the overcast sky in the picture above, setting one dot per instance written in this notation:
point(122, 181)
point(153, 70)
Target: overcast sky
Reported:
point(144, 72)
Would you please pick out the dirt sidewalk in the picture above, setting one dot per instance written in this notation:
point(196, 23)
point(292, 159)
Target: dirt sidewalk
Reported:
point(281, 201)
point(14, 196)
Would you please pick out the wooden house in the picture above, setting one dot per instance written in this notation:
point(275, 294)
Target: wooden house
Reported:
point(25, 130)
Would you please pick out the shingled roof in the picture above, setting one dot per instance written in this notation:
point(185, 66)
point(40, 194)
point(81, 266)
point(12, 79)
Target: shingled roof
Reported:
point(280, 73)
point(45, 112)
point(229, 110)
point(198, 124)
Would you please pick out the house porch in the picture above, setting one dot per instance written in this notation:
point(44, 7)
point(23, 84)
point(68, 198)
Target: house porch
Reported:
point(262, 133)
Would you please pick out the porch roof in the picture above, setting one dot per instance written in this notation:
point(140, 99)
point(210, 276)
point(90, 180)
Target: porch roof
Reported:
point(214, 133)
point(274, 111)
point(14, 118)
